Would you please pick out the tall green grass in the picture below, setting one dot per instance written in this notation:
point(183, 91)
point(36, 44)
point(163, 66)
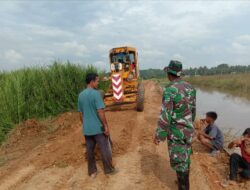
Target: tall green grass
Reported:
point(39, 92)
point(235, 84)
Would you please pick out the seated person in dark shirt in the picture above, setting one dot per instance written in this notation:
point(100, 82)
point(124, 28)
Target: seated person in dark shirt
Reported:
point(211, 136)
point(243, 161)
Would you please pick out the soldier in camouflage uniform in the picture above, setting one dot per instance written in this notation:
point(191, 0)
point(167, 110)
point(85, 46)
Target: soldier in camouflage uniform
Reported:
point(176, 122)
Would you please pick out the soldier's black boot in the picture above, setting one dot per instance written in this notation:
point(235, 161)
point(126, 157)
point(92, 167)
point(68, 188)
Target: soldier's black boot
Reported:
point(183, 180)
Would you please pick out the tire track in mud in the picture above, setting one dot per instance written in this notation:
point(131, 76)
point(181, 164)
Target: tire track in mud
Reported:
point(15, 178)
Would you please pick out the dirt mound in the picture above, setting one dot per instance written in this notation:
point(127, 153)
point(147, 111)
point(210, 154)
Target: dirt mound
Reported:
point(30, 128)
point(23, 138)
point(216, 169)
point(66, 119)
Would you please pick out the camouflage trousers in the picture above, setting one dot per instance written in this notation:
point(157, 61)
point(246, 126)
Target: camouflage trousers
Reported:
point(180, 147)
point(179, 155)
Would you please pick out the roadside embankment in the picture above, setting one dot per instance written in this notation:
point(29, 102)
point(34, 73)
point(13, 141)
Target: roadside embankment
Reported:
point(235, 84)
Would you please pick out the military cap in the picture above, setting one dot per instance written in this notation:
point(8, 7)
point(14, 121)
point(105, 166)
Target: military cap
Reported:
point(174, 67)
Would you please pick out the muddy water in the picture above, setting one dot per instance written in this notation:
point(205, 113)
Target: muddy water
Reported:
point(233, 112)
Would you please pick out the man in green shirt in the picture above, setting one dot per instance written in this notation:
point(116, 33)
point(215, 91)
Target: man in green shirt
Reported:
point(95, 127)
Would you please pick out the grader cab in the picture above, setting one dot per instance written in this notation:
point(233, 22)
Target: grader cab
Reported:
point(125, 87)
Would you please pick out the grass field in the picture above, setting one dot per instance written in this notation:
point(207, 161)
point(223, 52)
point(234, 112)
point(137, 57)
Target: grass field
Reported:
point(39, 93)
point(235, 84)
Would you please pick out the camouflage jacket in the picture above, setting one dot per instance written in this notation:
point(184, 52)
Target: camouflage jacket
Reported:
point(177, 112)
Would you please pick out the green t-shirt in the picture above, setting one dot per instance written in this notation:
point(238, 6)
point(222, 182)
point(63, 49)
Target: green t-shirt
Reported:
point(89, 101)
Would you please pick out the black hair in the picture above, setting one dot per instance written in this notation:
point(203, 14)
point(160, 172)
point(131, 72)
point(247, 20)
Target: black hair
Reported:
point(212, 114)
point(246, 132)
point(91, 77)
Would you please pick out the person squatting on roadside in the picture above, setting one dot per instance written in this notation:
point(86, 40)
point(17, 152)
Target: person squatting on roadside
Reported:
point(95, 127)
point(211, 137)
point(176, 122)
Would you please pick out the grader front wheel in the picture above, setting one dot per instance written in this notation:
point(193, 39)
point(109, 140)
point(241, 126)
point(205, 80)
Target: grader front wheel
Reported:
point(140, 98)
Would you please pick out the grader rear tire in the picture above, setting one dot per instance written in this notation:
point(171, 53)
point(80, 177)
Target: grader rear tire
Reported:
point(140, 98)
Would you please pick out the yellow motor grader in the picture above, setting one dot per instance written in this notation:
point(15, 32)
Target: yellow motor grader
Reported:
point(125, 87)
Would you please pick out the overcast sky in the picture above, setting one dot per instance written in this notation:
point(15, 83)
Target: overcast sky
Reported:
point(198, 33)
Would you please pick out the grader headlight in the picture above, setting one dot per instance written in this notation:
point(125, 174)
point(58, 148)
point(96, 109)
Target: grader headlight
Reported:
point(112, 67)
point(120, 66)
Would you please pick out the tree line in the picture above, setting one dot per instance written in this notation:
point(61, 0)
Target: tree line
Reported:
point(200, 71)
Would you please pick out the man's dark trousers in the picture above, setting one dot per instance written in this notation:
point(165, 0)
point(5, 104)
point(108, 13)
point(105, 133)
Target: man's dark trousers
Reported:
point(237, 161)
point(104, 144)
